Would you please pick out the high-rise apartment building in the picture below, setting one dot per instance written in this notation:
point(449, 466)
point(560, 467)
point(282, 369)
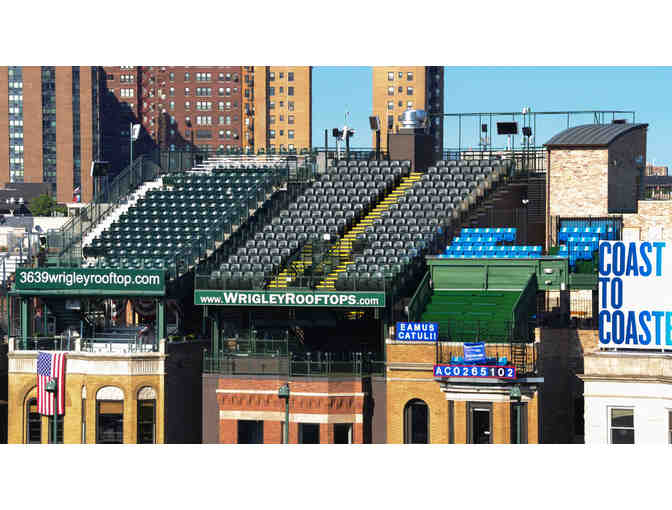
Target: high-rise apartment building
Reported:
point(281, 101)
point(49, 127)
point(215, 107)
point(397, 89)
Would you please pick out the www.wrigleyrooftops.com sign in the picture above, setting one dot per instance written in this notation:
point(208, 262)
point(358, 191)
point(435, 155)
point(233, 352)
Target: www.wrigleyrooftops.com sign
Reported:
point(289, 298)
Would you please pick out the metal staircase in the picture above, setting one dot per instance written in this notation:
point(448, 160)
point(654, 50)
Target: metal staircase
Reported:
point(343, 248)
point(294, 269)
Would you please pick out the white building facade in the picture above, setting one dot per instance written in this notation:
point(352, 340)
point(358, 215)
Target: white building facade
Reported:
point(627, 398)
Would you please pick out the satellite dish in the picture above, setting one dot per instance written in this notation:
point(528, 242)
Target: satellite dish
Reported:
point(37, 229)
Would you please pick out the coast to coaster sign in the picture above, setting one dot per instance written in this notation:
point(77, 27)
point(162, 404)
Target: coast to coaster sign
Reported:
point(417, 331)
point(635, 302)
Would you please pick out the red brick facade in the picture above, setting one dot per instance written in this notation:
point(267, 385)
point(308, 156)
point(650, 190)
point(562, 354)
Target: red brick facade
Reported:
point(325, 402)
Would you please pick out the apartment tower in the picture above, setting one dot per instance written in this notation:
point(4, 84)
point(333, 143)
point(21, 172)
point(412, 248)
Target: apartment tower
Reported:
point(49, 127)
point(397, 89)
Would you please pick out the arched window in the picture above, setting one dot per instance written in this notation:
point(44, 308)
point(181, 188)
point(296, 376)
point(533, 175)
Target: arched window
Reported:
point(109, 415)
point(416, 422)
point(33, 423)
point(146, 415)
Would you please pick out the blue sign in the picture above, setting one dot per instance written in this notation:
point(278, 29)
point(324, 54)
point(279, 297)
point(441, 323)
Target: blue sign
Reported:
point(474, 352)
point(491, 371)
point(417, 331)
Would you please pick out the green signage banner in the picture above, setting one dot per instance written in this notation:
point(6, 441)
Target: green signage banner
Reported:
point(82, 281)
point(289, 298)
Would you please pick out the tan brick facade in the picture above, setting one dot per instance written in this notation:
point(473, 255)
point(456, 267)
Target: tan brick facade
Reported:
point(391, 97)
point(410, 376)
point(274, 112)
point(23, 387)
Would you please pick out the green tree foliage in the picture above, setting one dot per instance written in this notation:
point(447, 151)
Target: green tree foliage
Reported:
point(42, 205)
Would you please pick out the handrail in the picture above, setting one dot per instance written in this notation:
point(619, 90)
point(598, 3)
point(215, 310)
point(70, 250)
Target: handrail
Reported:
point(414, 309)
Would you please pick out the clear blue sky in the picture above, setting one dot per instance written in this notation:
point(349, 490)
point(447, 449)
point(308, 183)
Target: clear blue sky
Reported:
point(506, 89)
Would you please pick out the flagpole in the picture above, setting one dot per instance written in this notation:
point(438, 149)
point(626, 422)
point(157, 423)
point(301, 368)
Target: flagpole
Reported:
point(130, 133)
point(55, 432)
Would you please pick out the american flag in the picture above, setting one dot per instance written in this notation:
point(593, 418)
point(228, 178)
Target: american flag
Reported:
point(50, 365)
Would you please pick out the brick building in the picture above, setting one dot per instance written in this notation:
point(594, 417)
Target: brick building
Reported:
point(397, 89)
point(212, 107)
point(323, 411)
point(111, 397)
point(49, 127)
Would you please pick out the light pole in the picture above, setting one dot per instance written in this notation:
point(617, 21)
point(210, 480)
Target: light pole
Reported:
point(52, 387)
point(283, 392)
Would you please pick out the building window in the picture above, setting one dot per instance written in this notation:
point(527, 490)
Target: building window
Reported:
point(271, 76)
point(171, 91)
point(390, 105)
point(401, 89)
point(479, 423)
point(250, 432)
point(290, 76)
point(401, 103)
point(271, 133)
point(110, 421)
point(187, 76)
point(390, 121)
point(290, 106)
point(290, 134)
point(271, 105)
point(290, 91)
point(390, 91)
point(59, 429)
point(171, 76)
point(309, 433)
point(271, 91)
point(390, 76)
point(401, 74)
point(33, 423)
point(228, 120)
point(409, 91)
point(342, 431)
point(146, 421)
point(290, 146)
point(186, 91)
point(228, 91)
point(282, 90)
point(416, 422)
point(171, 105)
point(187, 105)
point(622, 429)
point(409, 76)
point(518, 423)
point(271, 119)
point(282, 132)
point(290, 119)
point(409, 105)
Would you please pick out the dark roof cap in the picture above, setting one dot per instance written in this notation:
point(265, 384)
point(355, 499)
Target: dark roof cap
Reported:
point(591, 135)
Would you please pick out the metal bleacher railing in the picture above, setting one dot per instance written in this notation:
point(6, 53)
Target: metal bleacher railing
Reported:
point(66, 242)
point(523, 356)
point(318, 364)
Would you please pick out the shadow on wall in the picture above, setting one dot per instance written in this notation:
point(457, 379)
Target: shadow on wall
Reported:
point(116, 118)
point(562, 391)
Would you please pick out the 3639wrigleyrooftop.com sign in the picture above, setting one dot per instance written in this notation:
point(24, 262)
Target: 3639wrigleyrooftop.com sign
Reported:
point(75, 280)
point(289, 298)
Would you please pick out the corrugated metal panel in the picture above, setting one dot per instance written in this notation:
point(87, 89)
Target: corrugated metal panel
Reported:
point(592, 135)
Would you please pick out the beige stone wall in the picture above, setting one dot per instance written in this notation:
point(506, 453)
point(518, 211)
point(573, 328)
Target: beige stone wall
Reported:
point(578, 182)
point(654, 217)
